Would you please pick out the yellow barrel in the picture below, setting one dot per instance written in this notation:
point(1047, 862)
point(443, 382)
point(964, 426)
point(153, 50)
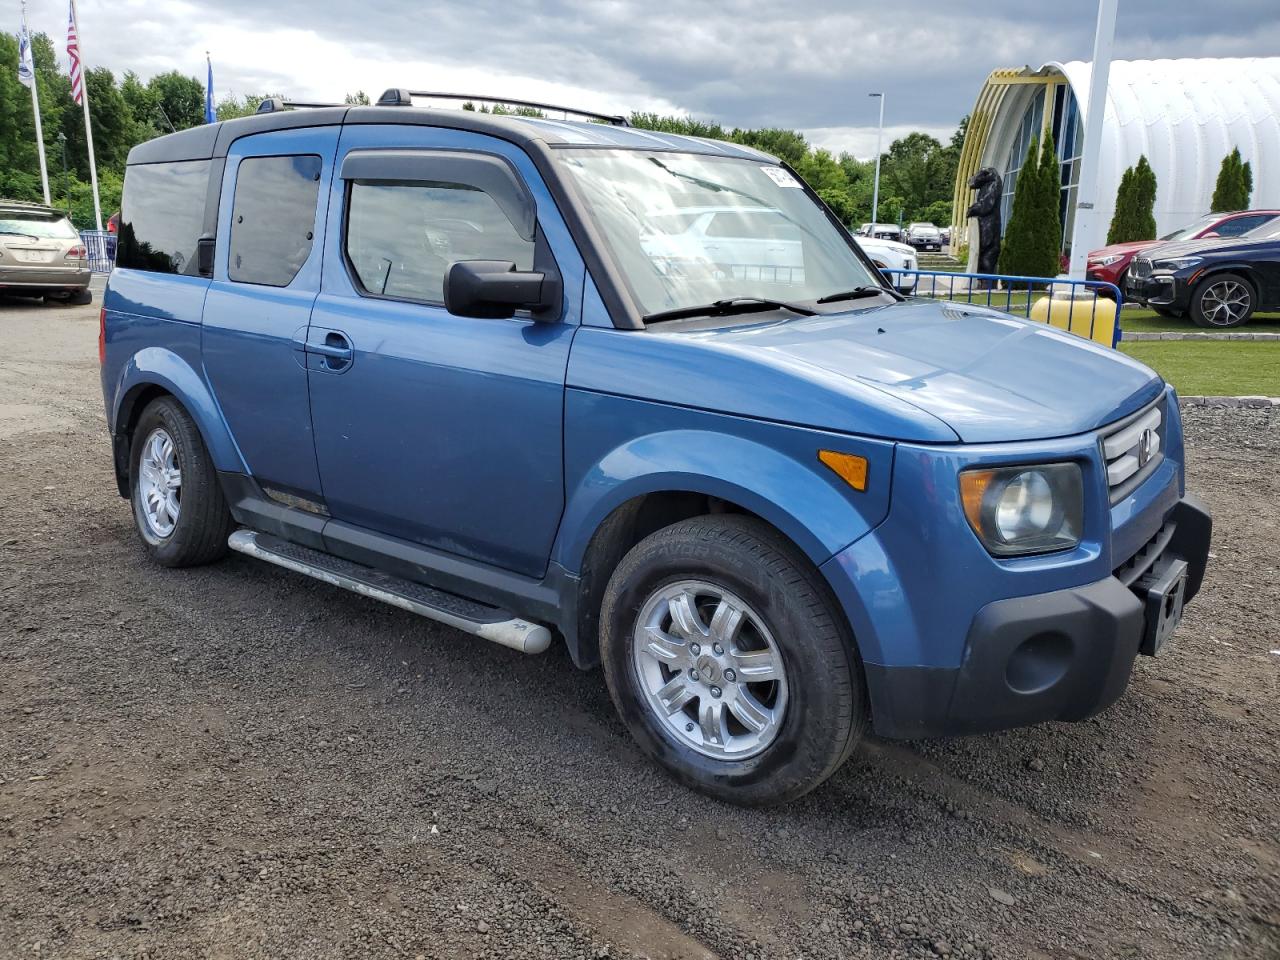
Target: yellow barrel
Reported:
point(1078, 310)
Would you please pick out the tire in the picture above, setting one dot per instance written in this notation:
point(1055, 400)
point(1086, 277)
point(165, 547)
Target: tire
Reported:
point(1168, 312)
point(80, 298)
point(198, 533)
point(816, 705)
point(1222, 301)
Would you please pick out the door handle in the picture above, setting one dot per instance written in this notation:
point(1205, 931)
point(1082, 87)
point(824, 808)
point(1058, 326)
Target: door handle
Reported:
point(335, 348)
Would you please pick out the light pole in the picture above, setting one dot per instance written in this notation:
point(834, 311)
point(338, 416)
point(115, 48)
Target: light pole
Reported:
point(875, 190)
point(1089, 229)
point(62, 142)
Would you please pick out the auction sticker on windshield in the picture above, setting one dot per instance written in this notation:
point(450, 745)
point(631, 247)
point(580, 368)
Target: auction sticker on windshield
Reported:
point(781, 177)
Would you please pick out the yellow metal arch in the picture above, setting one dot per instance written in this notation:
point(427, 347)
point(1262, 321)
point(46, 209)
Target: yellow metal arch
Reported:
point(981, 121)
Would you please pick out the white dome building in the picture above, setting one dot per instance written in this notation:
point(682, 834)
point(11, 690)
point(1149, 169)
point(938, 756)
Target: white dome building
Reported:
point(1185, 115)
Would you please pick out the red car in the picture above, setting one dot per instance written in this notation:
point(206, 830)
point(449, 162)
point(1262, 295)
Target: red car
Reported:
point(1110, 263)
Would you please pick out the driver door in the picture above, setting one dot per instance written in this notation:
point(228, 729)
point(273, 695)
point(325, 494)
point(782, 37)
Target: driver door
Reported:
point(440, 430)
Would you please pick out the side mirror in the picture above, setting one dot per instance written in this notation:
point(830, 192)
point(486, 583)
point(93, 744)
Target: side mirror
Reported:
point(204, 255)
point(495, 289)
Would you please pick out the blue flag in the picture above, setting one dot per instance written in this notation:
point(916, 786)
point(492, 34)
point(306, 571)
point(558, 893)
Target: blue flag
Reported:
point(209, 115)
point(26, 69)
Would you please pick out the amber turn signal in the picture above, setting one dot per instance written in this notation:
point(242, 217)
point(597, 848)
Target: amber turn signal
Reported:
point(973, 487)
point(851, 468)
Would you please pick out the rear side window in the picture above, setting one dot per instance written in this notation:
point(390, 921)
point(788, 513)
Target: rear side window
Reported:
point(402, 238)
point(272, 218)
point(162, 216)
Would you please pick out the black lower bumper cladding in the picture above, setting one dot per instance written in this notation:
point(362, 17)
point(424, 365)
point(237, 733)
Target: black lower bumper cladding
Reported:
point(1064, 655)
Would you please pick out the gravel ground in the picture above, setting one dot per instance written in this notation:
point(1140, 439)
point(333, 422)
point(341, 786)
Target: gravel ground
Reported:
point(238, 762)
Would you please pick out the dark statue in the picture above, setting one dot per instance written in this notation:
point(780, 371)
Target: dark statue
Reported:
point(986, 209)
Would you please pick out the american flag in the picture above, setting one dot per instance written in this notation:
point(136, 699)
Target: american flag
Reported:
point(73, 54)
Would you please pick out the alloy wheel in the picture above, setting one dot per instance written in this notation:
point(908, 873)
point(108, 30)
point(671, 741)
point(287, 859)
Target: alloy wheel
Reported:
point(1225, 303)
point(159, 483)
point(710, 670)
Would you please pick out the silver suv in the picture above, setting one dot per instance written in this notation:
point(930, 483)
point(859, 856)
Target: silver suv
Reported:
point(41, 253)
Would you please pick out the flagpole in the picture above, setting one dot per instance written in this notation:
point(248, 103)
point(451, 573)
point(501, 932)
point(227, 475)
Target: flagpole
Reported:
point(35, 106)
point(88, 125)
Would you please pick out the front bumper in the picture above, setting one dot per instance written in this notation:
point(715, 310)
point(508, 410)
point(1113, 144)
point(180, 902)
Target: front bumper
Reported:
point(1064, 655)
point(1158, 290)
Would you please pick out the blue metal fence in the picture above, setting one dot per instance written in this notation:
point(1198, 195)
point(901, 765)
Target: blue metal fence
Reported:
point(101, 249)
point(1019, 295)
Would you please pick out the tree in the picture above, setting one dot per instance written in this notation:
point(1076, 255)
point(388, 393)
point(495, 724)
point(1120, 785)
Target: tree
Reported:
point(1234, 185)
point(181, 100)
point(1015, 249)
point(1046, 228)
point(1134, 218)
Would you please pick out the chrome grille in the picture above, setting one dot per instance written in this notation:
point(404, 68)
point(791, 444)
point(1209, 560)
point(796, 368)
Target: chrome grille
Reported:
point(1140, 269)
point(1133, 448)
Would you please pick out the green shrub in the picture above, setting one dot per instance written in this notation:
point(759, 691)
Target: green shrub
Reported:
point(1134, 218)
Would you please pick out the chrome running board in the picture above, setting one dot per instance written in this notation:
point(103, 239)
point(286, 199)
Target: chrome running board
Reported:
point(477, 619)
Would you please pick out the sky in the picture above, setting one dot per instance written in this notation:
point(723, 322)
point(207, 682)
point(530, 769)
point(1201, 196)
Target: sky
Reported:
point(799, 64)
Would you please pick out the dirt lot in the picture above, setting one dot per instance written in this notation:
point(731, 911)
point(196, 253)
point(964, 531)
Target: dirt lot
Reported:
point(237, 762)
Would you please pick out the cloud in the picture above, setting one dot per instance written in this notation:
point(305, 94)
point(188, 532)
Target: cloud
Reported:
point(806, 64)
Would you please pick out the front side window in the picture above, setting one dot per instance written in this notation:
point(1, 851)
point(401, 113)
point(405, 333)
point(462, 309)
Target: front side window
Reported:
point(403, 237)
point(272, 218)
point(162, 216)
point(688, 229)
point(1238, 225)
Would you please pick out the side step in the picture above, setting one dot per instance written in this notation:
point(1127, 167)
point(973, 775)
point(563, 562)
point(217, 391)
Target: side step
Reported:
point(488, 623)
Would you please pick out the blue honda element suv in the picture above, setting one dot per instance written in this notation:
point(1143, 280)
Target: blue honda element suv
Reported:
point(642, 395)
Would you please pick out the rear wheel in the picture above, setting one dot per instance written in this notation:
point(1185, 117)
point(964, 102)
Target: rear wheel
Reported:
point(80, 298)
point(178, 507)
point(728, 662)
point(1223, 300)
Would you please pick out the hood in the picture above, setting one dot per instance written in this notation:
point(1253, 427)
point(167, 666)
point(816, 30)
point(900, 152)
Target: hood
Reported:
point(1113, 248)
point(1190, 248)
point(885, 371)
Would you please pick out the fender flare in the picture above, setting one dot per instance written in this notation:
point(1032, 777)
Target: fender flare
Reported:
point(159, 367)
point(821, 516)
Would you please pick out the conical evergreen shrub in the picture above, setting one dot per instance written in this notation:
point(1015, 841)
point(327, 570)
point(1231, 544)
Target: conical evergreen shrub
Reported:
point(1015, 249)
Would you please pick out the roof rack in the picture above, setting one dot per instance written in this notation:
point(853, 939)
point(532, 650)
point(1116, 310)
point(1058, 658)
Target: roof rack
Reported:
point(400, 97)
point(276, 104)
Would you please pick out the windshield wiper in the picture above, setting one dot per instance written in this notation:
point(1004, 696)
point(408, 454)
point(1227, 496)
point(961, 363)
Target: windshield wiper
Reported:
point(857, 293)
point(14, 233)
point(729, 307)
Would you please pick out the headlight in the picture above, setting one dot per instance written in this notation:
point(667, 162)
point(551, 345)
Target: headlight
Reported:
point(1176, 263)
point(1024, 510)
point(1107, 260)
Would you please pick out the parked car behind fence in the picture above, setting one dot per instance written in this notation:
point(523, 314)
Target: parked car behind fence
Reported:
point(41, 254)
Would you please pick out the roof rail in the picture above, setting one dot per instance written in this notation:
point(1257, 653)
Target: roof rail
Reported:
point(400, 97)
point(276, 104)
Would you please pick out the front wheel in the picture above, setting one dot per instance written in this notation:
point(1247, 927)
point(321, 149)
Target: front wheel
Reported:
point(728, 661)
point(1223, 300)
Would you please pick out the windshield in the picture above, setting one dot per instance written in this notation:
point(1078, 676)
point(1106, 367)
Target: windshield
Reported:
point(1191, 229)
point(44, 228)
point(686, 229)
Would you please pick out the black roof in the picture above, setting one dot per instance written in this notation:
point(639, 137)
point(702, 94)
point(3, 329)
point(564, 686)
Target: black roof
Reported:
point(215, 139)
